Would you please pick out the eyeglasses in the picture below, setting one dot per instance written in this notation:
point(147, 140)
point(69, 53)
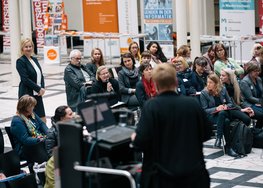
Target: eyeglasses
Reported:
point(105, 73)
point(77, 58)
point(258, 48)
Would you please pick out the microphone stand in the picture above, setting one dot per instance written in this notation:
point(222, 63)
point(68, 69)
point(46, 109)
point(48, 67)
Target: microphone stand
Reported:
point(96, 129)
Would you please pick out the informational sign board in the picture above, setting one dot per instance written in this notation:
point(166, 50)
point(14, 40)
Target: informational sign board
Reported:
point(100, 15)
point(237, 18)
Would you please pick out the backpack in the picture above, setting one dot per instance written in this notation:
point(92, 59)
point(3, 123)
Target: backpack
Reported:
point(241, 138)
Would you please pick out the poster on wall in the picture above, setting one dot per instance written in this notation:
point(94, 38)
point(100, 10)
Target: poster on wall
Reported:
point(157, 19)
point(101, 16)
point(237, 20)
point(5, 28)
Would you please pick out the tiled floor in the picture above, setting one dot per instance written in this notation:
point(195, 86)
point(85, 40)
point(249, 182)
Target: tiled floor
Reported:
point(224, 171)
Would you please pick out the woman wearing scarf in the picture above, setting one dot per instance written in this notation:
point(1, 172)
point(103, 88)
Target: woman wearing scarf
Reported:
point(128, 78)
point(26, 127)
point(145, 88)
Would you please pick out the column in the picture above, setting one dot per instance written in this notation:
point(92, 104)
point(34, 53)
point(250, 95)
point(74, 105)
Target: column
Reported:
point(181, 22)
point(195, 17)
point(26, 19)
point(14, 38)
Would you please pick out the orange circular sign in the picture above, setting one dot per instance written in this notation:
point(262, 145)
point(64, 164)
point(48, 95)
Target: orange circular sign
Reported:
point(52, 54)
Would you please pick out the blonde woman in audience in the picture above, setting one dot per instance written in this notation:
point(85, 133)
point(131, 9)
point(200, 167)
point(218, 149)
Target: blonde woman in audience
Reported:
point(96, 60)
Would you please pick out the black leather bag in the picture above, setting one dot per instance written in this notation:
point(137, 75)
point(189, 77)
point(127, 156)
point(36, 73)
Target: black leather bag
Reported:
point(257, 138)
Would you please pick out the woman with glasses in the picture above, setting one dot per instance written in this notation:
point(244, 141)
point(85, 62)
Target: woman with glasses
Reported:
point(199, 73)
point(135, 51)
point(223, 61)
point(128, 77)
point(105, 84)
point(96, 60)
point(31, 77)
point(78, 80)
point(26, 126)
point(252, 89)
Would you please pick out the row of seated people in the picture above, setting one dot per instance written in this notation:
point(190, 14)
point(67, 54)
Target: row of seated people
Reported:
point(82, 80)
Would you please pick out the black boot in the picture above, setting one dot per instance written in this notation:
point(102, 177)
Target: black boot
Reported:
point(231, 152)
point(218, 143)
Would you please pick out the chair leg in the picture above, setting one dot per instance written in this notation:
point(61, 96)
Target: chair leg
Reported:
point(223, 144)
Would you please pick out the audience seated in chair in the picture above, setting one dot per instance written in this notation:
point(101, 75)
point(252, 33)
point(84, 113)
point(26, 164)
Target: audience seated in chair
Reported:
point(218, 105)
point(105, 84)
point(128, 77)
point(27, 128)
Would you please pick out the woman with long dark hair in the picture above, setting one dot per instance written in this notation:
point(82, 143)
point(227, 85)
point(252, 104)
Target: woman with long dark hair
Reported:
point(157, 53)
point(128, 77)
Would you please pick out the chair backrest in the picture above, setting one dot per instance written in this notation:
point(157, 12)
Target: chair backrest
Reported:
point(10, 163)
point(28, 181)
point(2, 144)
point(10, 136)
point(35, 153)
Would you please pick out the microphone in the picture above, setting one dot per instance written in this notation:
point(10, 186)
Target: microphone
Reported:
point(107, 81)
point(101, 95)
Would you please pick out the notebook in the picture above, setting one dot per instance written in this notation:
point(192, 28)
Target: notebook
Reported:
point(107, 128)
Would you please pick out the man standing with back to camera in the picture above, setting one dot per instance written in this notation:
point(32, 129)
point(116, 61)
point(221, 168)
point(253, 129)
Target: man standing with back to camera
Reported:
point(171, 133)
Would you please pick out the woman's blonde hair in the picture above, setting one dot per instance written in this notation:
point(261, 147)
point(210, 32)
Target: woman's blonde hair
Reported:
point(233, 80)
point(100, 68)
point(217, 82)
point(24, 103)
point(24, 42)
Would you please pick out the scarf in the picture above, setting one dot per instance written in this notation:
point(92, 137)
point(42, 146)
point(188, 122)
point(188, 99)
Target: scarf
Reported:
point(31, 126)
point(130, 73)
point(149, 87)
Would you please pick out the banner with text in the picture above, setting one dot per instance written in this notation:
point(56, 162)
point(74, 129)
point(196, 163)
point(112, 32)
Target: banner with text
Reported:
point(40, 8)
point(5, 28)
point(100, 15)
point(157, 22)
point(237, 20)
point(260, 15)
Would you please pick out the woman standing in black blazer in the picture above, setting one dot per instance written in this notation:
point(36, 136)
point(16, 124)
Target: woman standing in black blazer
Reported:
point(31, 77)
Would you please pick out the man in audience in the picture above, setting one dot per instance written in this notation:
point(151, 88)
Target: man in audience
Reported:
point(78, 80)
point(171, 133)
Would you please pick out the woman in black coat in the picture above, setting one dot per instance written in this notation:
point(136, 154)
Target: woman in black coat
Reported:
point(128, 77)
point(31, 77)
point(104, 84)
